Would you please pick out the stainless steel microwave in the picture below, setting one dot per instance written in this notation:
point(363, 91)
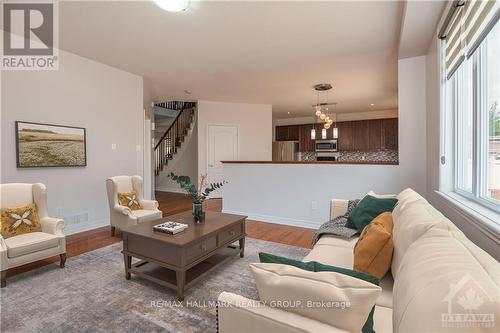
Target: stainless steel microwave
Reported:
point(326, 145)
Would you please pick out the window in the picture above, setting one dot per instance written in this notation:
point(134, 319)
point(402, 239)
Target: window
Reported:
point(491, 116)
point(473, 89)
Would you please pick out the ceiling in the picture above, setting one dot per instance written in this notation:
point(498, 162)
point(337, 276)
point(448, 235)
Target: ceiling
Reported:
point(250, 52)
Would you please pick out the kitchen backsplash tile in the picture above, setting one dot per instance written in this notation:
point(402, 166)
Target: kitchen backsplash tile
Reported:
point(382, 155)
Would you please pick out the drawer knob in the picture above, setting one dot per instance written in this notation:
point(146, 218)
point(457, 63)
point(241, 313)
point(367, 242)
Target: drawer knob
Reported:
point(232, 233)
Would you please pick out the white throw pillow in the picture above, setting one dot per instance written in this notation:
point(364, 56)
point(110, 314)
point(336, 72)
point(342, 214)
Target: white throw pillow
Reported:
point(332, 298)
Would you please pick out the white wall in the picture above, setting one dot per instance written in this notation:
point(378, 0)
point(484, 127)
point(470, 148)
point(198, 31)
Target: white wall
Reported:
point(184, 163)
point(106, 101)
point(254, 122)
point(289, 193)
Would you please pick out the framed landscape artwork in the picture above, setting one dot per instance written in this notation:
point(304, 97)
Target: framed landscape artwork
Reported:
point(44, 145)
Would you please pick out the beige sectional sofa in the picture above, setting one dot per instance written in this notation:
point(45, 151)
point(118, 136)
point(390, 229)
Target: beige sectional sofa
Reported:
point(439, 281)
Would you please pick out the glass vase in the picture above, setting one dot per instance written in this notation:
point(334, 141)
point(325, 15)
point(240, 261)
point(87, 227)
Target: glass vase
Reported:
point(198, 213)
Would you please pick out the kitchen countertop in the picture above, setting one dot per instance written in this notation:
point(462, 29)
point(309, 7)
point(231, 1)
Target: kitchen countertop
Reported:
point(314, 162)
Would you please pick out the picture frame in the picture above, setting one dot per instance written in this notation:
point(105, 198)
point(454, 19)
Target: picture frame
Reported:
point(40, 145)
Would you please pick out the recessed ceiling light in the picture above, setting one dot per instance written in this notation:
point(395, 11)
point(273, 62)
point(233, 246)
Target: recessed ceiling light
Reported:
point(371, 104)
point(288, 112)
point(173, 5)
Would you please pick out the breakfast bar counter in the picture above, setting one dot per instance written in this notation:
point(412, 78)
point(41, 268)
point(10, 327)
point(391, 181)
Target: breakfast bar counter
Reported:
point(314, 162)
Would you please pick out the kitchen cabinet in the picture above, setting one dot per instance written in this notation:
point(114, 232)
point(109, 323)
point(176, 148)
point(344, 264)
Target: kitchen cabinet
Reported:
point(352, 135)
point(281, 133)
point(375, 134)
point(389, 139)
point(360, 135)
point(345, 135)
point(293, 132)
point(287, 133)
point(306, 144)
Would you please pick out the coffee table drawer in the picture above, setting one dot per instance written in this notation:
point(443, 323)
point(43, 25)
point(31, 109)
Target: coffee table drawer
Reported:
point(199, 249)
point(230, 233)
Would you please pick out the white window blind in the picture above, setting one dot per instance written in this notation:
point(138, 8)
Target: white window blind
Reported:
point(469, 24)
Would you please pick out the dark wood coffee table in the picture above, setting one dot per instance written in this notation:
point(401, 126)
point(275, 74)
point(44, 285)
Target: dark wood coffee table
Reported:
point(178, 261)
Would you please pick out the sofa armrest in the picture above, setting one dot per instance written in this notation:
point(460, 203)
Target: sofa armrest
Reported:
point(237, 314)
point(3, 246)
point(338, 207)
point(149, 204)
point(123, 210)
point(52, 225)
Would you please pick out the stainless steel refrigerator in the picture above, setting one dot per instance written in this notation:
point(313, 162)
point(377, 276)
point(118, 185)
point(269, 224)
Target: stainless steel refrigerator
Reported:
point(285, 151)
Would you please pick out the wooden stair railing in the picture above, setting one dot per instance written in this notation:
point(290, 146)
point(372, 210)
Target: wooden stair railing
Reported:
point(174, 136)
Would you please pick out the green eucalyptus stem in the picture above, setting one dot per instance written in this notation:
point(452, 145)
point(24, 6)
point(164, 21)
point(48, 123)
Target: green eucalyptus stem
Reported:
point(197, 195)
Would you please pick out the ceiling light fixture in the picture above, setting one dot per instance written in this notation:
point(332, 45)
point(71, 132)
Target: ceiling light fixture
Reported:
point(173, 5)
point(371, 104)
point(321, 109)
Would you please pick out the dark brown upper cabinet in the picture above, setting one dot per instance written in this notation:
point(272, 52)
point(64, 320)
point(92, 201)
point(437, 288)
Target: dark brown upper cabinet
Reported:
point(287, 133)
point(360, 135)
point(352, 135)
point(345, 135)
point(375, 134)
point(389, 133)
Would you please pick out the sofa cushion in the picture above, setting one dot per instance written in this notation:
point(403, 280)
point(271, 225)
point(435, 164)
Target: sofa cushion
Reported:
point(367, 209)
point(331, 255)
point(438, 269)
point(19, 220)
point(382, 319)
point(373, 251)
point(334, 298)
point(30, 243)
point(412, 221)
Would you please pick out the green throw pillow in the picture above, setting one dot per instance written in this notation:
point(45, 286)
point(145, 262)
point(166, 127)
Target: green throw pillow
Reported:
point(314, 266)
point(368, 209)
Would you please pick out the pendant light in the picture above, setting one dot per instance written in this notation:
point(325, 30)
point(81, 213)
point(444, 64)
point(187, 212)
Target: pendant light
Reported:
point(321, 113)
point(335, 129)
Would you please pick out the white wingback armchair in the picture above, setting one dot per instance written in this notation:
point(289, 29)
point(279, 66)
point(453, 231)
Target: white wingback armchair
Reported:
point(26, 248)
point(122, 216)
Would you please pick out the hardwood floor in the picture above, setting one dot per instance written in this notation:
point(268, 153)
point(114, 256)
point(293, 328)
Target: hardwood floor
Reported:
point(173, 203)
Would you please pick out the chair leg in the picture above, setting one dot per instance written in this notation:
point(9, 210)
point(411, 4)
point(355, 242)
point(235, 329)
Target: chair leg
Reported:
point(113, 231)
point(4, 279)
point(62, 262)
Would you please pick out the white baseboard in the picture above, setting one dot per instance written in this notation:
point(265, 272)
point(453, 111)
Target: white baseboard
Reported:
point(277, 219)
point(76, 228)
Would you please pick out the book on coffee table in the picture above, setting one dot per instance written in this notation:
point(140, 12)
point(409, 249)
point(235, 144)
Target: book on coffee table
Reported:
point(170, 228)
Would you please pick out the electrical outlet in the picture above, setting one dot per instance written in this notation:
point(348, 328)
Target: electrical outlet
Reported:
point(113, 146)
point(314, 205)
point(59, 212)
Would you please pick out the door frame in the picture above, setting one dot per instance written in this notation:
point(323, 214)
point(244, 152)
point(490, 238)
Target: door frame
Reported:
point(237, 126)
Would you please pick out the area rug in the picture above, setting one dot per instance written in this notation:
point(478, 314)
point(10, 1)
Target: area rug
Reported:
point(92, 295)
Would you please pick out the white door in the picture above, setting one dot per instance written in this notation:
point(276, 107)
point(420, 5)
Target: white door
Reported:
point(222, 146)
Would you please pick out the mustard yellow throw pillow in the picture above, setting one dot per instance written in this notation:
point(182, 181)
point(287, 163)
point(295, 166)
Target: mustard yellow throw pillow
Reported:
point(129, 199)
point(373, 251)
point(19, 220)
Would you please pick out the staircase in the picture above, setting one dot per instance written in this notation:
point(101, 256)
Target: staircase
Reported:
point(166, 147)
